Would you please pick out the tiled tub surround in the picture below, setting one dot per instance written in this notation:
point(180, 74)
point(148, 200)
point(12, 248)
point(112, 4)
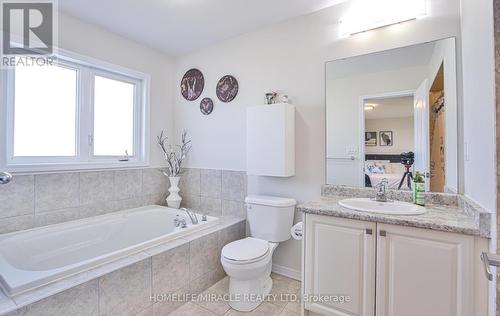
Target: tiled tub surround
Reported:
point(189, 264)
point(217, 192)
point(445, 212)
point(36, 257)
point(43, 199)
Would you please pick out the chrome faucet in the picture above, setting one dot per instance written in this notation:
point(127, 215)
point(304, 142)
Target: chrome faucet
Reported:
point(191, 214)
point(381, 195)
point(5, 177)
point(178, 222)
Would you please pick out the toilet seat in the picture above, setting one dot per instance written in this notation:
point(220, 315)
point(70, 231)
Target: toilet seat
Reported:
point(245, 250)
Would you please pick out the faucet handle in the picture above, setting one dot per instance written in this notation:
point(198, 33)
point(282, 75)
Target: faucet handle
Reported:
point(183, 223)
point(177, 221)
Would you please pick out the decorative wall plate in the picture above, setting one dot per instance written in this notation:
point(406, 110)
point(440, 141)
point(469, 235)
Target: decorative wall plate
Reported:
point(192, 84)
point(206, 106)
point(227, 88)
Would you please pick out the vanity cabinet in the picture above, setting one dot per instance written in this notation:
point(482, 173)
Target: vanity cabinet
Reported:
point(423, 272)
point(339, 260)
point(390, 270)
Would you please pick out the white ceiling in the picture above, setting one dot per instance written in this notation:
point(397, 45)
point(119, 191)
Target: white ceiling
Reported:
point(390, 108)
point(181, 26)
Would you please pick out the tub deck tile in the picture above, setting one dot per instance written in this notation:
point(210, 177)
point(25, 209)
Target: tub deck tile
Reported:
point(6, 304)
point(153, 251)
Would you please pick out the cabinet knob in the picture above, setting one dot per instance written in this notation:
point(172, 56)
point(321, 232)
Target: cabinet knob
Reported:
point(383, 233)
point(369, 231)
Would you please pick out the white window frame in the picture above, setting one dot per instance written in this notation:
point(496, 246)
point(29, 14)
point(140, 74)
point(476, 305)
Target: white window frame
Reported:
point(84, 159)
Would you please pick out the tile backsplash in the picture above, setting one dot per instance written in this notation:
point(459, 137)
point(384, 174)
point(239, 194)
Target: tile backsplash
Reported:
point(214, 192)
point(43, 199)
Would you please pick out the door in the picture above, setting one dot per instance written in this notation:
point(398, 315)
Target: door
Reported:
point(421, 129)
point(339, 261)
point(423, 272)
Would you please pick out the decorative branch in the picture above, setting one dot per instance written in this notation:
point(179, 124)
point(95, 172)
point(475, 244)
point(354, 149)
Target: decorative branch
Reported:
point(173, 157)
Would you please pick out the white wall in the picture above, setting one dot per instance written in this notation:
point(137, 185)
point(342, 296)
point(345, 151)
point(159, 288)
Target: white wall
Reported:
point(479, 111)
point(289, 57)
point(479, 101)
point(402, 133)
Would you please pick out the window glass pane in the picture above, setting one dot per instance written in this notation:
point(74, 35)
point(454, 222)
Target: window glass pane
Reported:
point(45, 101)
point(113, 117)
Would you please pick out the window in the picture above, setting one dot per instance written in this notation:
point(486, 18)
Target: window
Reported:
point(113, 106)
point(45, 111)
point(75, 114)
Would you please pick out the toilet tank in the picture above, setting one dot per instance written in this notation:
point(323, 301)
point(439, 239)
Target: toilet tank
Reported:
point(270, 218)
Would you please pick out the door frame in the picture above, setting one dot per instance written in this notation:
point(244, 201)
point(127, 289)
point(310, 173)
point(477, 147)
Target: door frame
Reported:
point(361, 109)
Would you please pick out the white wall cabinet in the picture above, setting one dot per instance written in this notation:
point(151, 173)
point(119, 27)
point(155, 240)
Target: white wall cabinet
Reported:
point(390, 270)
point(271, 140)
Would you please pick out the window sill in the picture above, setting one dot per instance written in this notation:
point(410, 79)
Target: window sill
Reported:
point(65, 167)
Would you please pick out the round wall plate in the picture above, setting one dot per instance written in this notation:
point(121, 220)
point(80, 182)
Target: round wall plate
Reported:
point(227, 88)
point(206, 106)
point(192, 84)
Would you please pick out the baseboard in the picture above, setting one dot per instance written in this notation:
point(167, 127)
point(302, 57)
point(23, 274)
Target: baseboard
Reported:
point(291, 273)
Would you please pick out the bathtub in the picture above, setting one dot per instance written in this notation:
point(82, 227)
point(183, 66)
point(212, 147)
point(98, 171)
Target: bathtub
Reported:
point(35, 257)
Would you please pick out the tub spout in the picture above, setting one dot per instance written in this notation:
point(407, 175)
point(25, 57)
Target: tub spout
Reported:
point(5, 177)
point(192, 215)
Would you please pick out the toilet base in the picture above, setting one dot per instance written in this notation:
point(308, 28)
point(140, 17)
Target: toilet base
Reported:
point(246, 295)
point(249, 283)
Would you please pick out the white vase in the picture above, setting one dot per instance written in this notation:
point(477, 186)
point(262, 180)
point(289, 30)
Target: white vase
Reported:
point(174, 199)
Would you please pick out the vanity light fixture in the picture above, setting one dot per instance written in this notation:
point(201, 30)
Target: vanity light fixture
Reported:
point(369, 107)
point(365, 15)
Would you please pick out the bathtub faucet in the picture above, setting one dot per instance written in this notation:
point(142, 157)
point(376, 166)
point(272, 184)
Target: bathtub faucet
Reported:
point(192, 215)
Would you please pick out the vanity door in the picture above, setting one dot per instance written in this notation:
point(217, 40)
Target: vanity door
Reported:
point(339, 261)
point(423, 272)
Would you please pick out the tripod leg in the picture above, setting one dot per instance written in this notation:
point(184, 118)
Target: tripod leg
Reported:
point(402, 180)
point(410, 177)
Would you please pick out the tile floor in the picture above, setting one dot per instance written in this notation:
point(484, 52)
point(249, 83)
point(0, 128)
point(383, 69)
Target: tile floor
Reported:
point(278, 307)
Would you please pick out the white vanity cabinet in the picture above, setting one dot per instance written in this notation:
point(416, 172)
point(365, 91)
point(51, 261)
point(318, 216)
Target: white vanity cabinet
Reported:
point(390, 270)
point(339, 260)
point(423, 272)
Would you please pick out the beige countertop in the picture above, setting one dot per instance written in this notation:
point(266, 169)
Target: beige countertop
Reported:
point(459, 216)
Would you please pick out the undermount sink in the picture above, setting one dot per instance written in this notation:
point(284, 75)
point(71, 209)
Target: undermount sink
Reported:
point(390, 207)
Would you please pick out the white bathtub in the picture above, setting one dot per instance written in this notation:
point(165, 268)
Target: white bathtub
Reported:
point(32, 258)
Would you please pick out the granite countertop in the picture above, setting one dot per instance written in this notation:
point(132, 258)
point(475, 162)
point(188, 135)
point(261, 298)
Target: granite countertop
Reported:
point(457, 217)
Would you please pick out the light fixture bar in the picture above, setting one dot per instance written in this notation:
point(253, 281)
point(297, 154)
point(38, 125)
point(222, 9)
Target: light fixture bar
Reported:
point(365, 15)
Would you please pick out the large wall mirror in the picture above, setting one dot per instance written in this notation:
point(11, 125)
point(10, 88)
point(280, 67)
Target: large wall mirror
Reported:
point(392, 113)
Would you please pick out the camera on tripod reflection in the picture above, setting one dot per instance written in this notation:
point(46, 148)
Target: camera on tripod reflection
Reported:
point(408, 158)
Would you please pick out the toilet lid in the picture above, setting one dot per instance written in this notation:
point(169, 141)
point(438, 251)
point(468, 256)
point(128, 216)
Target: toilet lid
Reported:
point(245, 249)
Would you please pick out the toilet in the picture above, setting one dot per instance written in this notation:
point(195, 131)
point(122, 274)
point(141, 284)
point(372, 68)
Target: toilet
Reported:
point(248, 261)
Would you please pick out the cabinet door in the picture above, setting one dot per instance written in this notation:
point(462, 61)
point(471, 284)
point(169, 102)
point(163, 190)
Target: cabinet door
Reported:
point(423, 272)
point(339, 261)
